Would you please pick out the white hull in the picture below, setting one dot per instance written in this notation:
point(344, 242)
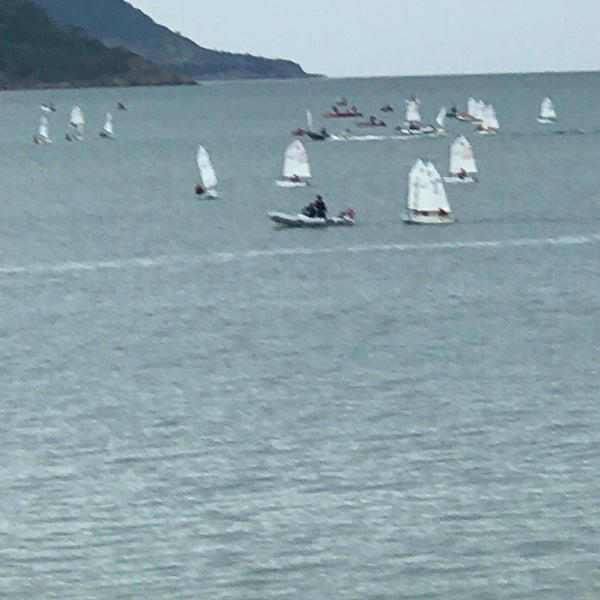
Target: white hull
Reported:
point(457, 179)
point(545, 120)
point(38, 139)
point(300, 220)
point(485, 131)
point(208, 195)
point(433, 219)
point(290, 184)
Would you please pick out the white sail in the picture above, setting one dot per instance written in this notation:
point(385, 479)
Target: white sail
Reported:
point(414, 176)
point(489, 119)
point(412, 111)
point(461, 156)
point(77, 116)
point(295, 161)
point(108, 129)
point(309, 119)
point(206, 170)
point(547, 112)
point(472, 107)
point(43, 129)
point(440, 117)
point(426, 200)
point(433, 195)
point(77, 122)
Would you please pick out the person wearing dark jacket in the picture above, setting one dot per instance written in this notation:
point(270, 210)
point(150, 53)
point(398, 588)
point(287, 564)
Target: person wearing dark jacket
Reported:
point(320, 207)
point(309, 210)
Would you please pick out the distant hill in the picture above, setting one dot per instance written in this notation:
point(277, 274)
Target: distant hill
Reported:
point(118, 23)
point(35, 51)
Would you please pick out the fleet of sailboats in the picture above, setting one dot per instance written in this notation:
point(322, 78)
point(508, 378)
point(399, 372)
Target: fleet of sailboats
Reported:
point(426, 198)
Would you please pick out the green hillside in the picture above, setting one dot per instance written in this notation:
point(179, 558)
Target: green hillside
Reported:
point(35, 51)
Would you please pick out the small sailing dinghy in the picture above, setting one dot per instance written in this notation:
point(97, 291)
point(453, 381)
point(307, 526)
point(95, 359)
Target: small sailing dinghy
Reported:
point(42, 136)
point(438, 128)
point(296, 168)
point(489, 121)
point(107, 131)
point(547, 112)
point(207, 188)
point(462, 166)
point(426, 200)
point(77, 123)
point(317, 136)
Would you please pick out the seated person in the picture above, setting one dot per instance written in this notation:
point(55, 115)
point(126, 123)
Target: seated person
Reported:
point(320, 207)
point(199, 190)
point(347, 214)
point(310, 210)
point(462, 174)
point(295, 178)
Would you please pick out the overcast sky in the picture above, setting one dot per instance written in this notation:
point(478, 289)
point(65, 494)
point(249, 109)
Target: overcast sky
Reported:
point(341, 38)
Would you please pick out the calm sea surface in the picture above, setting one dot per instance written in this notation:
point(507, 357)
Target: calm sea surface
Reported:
point(194, 404)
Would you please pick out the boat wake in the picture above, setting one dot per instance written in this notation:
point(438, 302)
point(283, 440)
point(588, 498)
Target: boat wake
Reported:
point(186, 261)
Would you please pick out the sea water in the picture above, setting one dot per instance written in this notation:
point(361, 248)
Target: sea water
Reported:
point(195, 404)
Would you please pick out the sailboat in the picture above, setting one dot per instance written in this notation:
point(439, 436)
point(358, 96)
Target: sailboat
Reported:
point(462, 163)
point(296, 168)
point(547, 112)
point(208, 178)
point(76, 122)
point(438, 128)
point(489, 122)
point(107, 129)
point(412, 119)
point(317, 136)
point(42, 136)
point(426, 200)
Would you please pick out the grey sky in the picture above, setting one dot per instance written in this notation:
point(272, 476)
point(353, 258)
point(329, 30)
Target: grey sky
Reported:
point(395, 37)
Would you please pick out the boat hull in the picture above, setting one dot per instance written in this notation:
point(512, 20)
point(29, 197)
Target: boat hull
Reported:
point(317, 137)
point(341, 114)
point(290, 184)
point(208, 195)
point(457, 179)
point(545, 120)
point(300, 220)
point(433, 219)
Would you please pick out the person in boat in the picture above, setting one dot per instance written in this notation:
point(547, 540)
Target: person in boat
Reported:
point(443, 213)
point(354, 110)
point(295, 178)
point(320, 207)
point(387, 107)
point(199, 189)
point(310, 210)
point(335, 109)
point(462, 174)
point(347, 214)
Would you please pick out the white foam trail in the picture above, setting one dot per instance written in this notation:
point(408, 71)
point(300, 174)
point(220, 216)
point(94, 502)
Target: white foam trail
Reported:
point(155, 262)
